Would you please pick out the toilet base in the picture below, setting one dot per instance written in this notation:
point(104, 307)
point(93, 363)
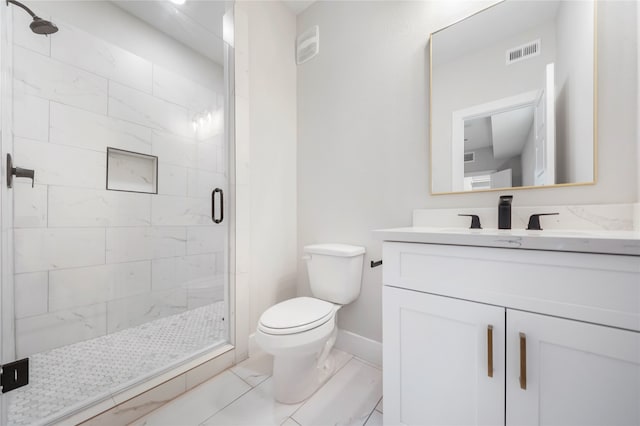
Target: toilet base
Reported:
point(296, 378)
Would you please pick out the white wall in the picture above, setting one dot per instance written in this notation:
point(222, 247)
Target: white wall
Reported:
point(90, 261)
point(363, 129)
point(266, 163)
point(573, 80)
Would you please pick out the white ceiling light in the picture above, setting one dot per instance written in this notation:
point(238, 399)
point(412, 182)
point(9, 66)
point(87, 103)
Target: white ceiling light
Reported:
point(178, 1)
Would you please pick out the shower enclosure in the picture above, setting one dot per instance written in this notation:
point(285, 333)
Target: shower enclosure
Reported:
point(115, 255)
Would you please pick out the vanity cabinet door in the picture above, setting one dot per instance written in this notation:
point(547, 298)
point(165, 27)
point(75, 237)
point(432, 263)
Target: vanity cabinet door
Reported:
point(437, 357)
point(575, 373)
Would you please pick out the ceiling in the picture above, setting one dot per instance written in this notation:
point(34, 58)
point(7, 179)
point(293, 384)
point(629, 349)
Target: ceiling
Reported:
point(480, 30)
point(506, 132)
point(196, 24)
point(477, 133)
point(298, 6)
point(510, 130)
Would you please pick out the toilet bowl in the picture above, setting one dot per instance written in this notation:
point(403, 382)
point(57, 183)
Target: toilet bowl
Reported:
point(300, 332)
point(300, 347)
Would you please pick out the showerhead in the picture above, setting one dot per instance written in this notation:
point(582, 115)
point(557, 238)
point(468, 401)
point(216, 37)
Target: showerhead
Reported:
point(42, 26)
point(39, 25)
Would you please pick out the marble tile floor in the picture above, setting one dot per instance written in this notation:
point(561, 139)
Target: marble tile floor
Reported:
point(243, 396)
point(74, 374)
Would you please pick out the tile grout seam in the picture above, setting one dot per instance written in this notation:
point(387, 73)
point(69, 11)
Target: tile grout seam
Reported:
point(234, 400)
point(323, 385)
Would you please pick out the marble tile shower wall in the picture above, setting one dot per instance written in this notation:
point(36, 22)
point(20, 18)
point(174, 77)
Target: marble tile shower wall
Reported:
point(88, 261)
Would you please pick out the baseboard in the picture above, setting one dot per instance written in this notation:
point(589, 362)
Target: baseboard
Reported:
point(366, 349)
point(362, 347)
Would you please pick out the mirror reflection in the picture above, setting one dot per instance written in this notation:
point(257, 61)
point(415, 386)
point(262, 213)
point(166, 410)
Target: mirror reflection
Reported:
point(512, 91)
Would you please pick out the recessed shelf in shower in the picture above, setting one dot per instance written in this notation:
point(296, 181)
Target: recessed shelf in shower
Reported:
point(131, 171)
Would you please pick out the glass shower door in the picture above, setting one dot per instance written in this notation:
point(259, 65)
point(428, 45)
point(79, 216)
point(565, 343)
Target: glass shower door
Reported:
point(6, 216)
point(120, 245)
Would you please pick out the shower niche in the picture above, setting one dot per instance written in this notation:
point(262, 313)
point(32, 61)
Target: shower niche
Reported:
point(131, 171)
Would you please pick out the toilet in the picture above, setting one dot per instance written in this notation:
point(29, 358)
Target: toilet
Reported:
point(300, 332)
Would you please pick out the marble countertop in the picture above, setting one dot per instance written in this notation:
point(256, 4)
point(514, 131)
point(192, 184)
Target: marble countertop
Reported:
point(584, 241)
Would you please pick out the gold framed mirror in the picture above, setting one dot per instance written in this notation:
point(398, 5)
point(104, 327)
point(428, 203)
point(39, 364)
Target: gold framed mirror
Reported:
point(513, 98)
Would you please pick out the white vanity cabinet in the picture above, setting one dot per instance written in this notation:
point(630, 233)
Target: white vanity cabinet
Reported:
point(576, 373)
point(437, 360)
point(493, 336)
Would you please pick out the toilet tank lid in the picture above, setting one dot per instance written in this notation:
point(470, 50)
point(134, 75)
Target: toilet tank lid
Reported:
point(342, 250)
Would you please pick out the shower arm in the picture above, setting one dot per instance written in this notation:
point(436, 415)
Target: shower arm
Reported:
point(17, 3)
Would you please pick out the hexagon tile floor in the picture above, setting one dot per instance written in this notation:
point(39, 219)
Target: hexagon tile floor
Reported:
point(68, 376)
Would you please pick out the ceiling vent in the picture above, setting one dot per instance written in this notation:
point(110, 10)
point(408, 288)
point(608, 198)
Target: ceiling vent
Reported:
point(307, 45)
point(526, 51)
point(469, 157)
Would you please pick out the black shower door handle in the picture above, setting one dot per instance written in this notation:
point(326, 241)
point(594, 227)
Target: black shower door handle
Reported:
point(213, 205)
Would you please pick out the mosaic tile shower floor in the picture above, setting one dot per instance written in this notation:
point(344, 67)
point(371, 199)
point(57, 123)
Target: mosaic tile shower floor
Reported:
point(67, 376)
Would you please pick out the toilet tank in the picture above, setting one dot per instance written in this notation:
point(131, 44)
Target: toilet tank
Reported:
point(335, 271)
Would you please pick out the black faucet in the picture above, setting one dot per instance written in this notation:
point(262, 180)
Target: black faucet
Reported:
point(534, 221)
point(475, 221)
point(504, 212)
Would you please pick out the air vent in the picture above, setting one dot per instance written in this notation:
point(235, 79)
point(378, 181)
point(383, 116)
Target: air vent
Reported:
point(469, 157)
point(307, 45)
point(526, 51)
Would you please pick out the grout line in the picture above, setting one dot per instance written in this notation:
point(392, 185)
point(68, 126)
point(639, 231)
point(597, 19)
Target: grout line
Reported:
point(47, 207)
point(102, 150)
point(48, 293)
point(96, 74)
point(239, 396)
point(101, 116)
point(252, 386)
point(151, 274)
point(126, 262)
point(49, 106)
point(108, 96)
point(185, 395)
point(105, 245)
point(186, 109)
point(292, 419)
point(345, 364)
point(370, 364)
point(335, 373)
point(50, 43)
point(368, 417)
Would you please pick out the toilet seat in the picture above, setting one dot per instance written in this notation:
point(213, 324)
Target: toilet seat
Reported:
point(296, 315)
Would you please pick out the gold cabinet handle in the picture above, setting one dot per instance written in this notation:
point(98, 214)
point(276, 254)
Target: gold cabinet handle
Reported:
point(490, 350)
point(523, 361)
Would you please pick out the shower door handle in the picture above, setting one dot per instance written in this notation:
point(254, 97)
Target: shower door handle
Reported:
point(213, 205)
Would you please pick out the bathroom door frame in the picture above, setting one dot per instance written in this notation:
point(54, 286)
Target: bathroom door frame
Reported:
point(478, 111)
point(230, 168)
